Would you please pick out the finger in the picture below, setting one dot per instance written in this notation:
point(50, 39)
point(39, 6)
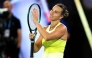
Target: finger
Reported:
point(31, 35)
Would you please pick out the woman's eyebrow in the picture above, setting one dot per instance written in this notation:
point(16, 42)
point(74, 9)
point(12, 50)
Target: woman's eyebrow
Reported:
point(56, 11)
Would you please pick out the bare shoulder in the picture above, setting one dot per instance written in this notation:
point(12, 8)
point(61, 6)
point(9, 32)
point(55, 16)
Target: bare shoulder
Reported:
point(62, 27)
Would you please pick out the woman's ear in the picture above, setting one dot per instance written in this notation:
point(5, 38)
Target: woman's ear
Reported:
point(61, 17)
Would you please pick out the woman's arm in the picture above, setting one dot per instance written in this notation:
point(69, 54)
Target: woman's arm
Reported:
point(38, 43)
point(58, 33)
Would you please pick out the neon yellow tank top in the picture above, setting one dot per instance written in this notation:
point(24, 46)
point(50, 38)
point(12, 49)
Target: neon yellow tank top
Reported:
point(56, 45)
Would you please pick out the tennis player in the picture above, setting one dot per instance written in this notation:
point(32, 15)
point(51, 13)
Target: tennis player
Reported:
point(54, 36)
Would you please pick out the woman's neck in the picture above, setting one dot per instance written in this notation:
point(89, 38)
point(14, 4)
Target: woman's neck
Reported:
point(53, 24)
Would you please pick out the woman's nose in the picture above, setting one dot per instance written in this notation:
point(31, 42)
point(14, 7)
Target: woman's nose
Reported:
point(51, 12)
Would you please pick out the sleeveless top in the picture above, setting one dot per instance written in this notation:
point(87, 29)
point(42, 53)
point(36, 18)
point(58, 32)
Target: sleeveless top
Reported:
point(55, 45)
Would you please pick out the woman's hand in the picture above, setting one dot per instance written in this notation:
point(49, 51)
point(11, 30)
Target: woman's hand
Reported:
point(31, 35)
point(35, 15)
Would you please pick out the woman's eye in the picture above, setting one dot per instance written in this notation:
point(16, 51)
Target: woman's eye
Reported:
point(56, 12)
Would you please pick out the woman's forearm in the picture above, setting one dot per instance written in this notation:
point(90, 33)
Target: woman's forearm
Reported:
point(42, 31)
point(36, 48)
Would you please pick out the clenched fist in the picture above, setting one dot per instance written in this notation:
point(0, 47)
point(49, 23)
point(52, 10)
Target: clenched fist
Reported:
point(31, 35)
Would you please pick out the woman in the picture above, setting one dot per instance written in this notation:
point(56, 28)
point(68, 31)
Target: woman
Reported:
point(54, 36)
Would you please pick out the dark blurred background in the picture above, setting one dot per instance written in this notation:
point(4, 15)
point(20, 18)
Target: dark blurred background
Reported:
point(77, 45)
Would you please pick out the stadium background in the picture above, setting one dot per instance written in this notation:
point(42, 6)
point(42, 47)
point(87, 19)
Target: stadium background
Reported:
point(78, 44)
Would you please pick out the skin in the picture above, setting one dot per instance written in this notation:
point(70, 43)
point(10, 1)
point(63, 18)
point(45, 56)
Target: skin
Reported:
point(8, 5)
point(60, 31)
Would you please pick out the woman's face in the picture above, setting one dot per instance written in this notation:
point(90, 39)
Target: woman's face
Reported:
point(55, 13)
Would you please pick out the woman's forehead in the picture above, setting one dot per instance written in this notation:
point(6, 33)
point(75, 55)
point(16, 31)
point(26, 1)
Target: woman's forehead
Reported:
point(57, 8)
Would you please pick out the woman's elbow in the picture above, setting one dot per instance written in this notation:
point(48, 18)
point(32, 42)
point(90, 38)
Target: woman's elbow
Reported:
point(47, 38)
